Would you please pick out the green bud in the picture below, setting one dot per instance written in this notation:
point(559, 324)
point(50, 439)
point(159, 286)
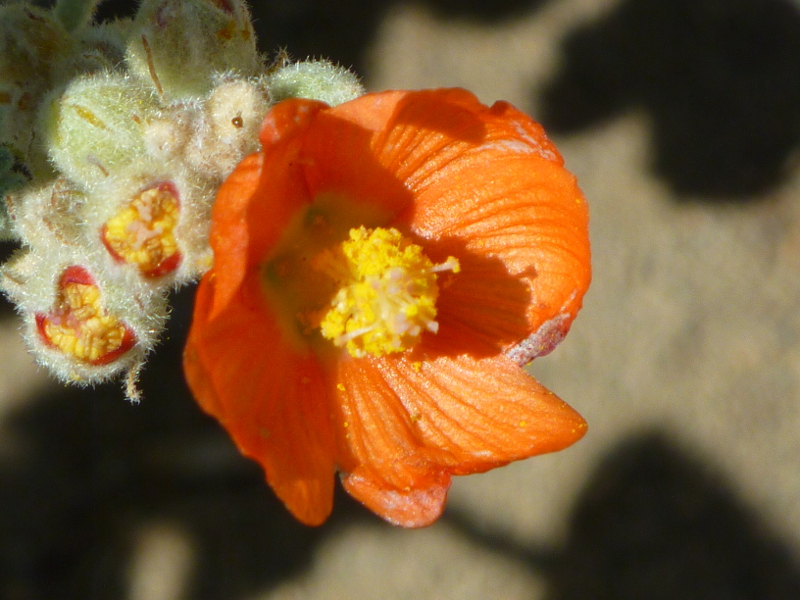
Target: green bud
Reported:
point(102, 47)
point(47, 217)
point(95, 127)
point(10, 180)
point(316, 80)
point(177, 45)
point(75, 14)
point(32, 44)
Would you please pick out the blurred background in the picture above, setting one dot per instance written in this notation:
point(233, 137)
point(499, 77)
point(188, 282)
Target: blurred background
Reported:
point(681, 119)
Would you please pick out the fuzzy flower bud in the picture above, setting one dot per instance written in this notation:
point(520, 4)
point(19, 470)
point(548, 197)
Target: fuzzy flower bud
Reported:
point(32, 45)
point(316, 80)
point(95, 126)
point(228, 128)
point(47, 217)
point(75, 14)
point(177, 45)
point(101, 47)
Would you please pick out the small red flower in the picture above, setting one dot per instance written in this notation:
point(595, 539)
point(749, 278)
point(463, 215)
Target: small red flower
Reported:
point(381, 269)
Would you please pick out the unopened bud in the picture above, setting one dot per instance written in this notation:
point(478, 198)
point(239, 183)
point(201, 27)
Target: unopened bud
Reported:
point(177, 45)
point(95, 126)
point(317, 80)
point(228, 128)
point(32, 45)
point(47, 217)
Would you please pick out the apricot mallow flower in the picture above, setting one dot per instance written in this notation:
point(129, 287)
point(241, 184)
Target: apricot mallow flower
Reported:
point(382, 271)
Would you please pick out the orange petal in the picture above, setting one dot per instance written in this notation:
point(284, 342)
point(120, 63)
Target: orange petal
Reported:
point(365, 149)
point(370, 112)
point(197, 374)
point(270, 398)
point(482, 413)
point(409, 425)
point(531, 219)
point(403, 507)
point(482, 304)
point(338, 160)
point(428, 130)
point(255, 203)
point(490, 188)
point(385, 465)
point(229, 233)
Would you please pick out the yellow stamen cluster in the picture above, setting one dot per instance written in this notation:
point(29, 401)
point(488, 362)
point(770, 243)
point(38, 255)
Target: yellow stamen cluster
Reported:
point(81, 327)
point(142, 233)
point(386, 294)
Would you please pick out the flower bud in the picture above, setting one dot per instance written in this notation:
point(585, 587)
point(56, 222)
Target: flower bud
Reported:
point(177, 45)
point(47, 217)
point(95, 126)
point(167, 135)
point(228, 128)
point(75, 15)
point(101, 47)
point(32, 45)
point(316, 80)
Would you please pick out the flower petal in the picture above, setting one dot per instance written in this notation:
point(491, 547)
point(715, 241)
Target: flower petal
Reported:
point(229, 233)
point(270, 398)
point(489, 181)
point(384, 464)
point(340, 140)
point(256, 202)
point(483, 413)
point(409, 425)
point(533, 220)
point(408, 507)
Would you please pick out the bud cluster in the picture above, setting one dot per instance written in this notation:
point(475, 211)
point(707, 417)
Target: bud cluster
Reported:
point(114, 138)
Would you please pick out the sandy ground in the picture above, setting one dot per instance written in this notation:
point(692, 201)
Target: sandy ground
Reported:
point(680, 120)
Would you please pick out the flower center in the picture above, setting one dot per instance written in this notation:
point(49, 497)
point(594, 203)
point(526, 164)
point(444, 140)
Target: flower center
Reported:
point(336, 279)
point(80, 326)
point(142, 233)
point(386, 292)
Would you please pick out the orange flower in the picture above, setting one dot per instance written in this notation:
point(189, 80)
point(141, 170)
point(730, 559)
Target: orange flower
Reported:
point(381, 271)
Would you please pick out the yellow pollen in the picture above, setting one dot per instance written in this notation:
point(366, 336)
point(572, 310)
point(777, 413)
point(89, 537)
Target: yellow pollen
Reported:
point(143, 232)
point(386, 292)
point(81, 327)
